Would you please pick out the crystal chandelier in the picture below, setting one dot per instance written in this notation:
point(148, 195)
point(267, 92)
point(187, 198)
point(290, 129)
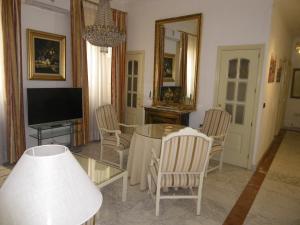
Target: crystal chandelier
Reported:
point(104, 33)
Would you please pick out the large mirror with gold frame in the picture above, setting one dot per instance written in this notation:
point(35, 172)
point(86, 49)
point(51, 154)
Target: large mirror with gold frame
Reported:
point(177, 47)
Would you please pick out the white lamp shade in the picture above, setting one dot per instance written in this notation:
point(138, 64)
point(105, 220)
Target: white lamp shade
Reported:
point(48, 187)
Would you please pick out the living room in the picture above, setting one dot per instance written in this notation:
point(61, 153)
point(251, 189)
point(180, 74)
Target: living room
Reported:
point(268, 29)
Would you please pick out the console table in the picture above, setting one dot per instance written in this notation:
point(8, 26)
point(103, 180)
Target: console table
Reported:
point(55, 129)
point(166, 115)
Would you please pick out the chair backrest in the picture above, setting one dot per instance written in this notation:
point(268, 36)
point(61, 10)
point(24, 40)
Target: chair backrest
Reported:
point(185, 151)
point(216, 122)
point(106, 117)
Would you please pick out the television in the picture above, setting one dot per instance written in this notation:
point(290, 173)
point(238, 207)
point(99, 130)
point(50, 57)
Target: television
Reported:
point(46, 105)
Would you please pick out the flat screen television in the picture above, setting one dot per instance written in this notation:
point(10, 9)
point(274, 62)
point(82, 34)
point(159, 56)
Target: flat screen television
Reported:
point(46, 105)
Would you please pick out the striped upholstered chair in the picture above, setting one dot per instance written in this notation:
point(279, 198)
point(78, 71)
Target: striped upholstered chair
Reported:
point(216, 123)
point(110, 133)
point(182, 163)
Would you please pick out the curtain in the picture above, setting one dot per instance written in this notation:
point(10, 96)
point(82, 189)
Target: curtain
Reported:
point(191, 64)
point(161, 55)
point(15, 129)
point(3, 148)
point(118, 68)
point(183, 62)
point(79, 67)
point(99, 72)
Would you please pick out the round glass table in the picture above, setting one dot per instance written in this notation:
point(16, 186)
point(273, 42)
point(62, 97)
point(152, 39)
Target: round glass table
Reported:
point(157, 131)
point(144, 139)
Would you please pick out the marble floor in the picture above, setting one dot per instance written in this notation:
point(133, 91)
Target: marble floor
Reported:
point(220, 192)
point(278, 200)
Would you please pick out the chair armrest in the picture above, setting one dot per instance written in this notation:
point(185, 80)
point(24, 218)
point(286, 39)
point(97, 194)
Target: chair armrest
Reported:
point(110, 131)
point(219, 138)
point(116, 132)
point(126, 125)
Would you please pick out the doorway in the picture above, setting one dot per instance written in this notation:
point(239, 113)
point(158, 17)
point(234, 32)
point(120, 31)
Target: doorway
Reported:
point(237, 88)
point(134, 109)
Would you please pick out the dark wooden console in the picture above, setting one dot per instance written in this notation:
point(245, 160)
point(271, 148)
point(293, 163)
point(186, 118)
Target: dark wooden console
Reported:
point(166, 115)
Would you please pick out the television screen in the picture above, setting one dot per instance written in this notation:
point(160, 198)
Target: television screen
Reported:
point(47, 105)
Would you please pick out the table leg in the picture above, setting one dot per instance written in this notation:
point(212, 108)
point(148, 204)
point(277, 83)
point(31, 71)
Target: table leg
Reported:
point(124, 191)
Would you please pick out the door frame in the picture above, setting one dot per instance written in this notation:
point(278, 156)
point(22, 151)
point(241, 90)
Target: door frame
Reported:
point(137, 52)
point(261, 51)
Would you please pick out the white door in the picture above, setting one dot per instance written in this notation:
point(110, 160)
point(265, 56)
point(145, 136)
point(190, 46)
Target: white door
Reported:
point(134, 113)
point(236, 93)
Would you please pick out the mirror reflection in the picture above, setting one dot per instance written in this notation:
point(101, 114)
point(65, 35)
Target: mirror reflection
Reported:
point(177, 42)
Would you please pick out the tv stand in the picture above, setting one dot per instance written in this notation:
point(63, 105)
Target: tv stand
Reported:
point(56, 129)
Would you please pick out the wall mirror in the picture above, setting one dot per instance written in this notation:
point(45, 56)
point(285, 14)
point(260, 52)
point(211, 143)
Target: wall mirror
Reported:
point(176, 59)
point(295, 90)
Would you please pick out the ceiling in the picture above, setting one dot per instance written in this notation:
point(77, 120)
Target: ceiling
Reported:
point(291, 12)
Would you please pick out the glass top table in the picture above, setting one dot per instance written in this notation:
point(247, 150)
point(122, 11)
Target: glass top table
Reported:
point(157, 131)
point(102, 173)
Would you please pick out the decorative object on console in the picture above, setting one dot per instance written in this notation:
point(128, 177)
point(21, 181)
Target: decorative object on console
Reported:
point(46, 56)
point(104, 32)
point(171, 94)
point(48, 186)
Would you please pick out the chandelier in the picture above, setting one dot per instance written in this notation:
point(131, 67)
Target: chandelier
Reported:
point(104, 32)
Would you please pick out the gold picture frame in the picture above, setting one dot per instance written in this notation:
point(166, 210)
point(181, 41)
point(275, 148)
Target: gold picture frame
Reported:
point(169, 67)
point(46, 56)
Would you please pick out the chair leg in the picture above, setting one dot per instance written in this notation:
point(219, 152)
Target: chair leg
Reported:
point(221, 161)
point(121, 154)
point(199, 195)
point(206, 169)
point(150, 184)
point(101, 151)
point(157, 199)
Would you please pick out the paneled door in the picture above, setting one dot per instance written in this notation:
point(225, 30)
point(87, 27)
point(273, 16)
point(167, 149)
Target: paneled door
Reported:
point(134, 113)
point(236, 93)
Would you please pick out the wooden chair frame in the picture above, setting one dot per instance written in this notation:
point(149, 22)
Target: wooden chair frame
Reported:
point(184, 132)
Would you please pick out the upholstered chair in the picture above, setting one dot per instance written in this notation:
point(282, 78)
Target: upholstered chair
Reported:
point(215, 124)
point(181, 164)
point(111, 136)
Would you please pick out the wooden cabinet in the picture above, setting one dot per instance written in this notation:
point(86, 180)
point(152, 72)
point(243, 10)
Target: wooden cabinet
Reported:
point(166, 115)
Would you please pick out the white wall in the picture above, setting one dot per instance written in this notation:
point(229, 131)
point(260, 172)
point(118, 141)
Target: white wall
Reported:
point(48, 21)
point(280, 43)
point(230, 22)
point(292, 115)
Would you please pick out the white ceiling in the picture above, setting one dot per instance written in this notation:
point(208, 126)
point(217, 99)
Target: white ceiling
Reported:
point(291, 12)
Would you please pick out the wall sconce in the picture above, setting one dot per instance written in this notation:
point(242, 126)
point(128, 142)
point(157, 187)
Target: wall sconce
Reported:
point(298, 47)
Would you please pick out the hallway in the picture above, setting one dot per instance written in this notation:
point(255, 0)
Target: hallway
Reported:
point(278, 200)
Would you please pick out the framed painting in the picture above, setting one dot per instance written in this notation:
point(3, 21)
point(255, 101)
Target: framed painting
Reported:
point(46, 56)
point(169, 67)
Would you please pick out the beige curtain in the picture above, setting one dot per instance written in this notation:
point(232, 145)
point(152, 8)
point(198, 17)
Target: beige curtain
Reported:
point(79, 67)
point(183, 62)
point(161, 54)
point(191, 65)
point(3, 147)
point(11, 25)
point(118, 68)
